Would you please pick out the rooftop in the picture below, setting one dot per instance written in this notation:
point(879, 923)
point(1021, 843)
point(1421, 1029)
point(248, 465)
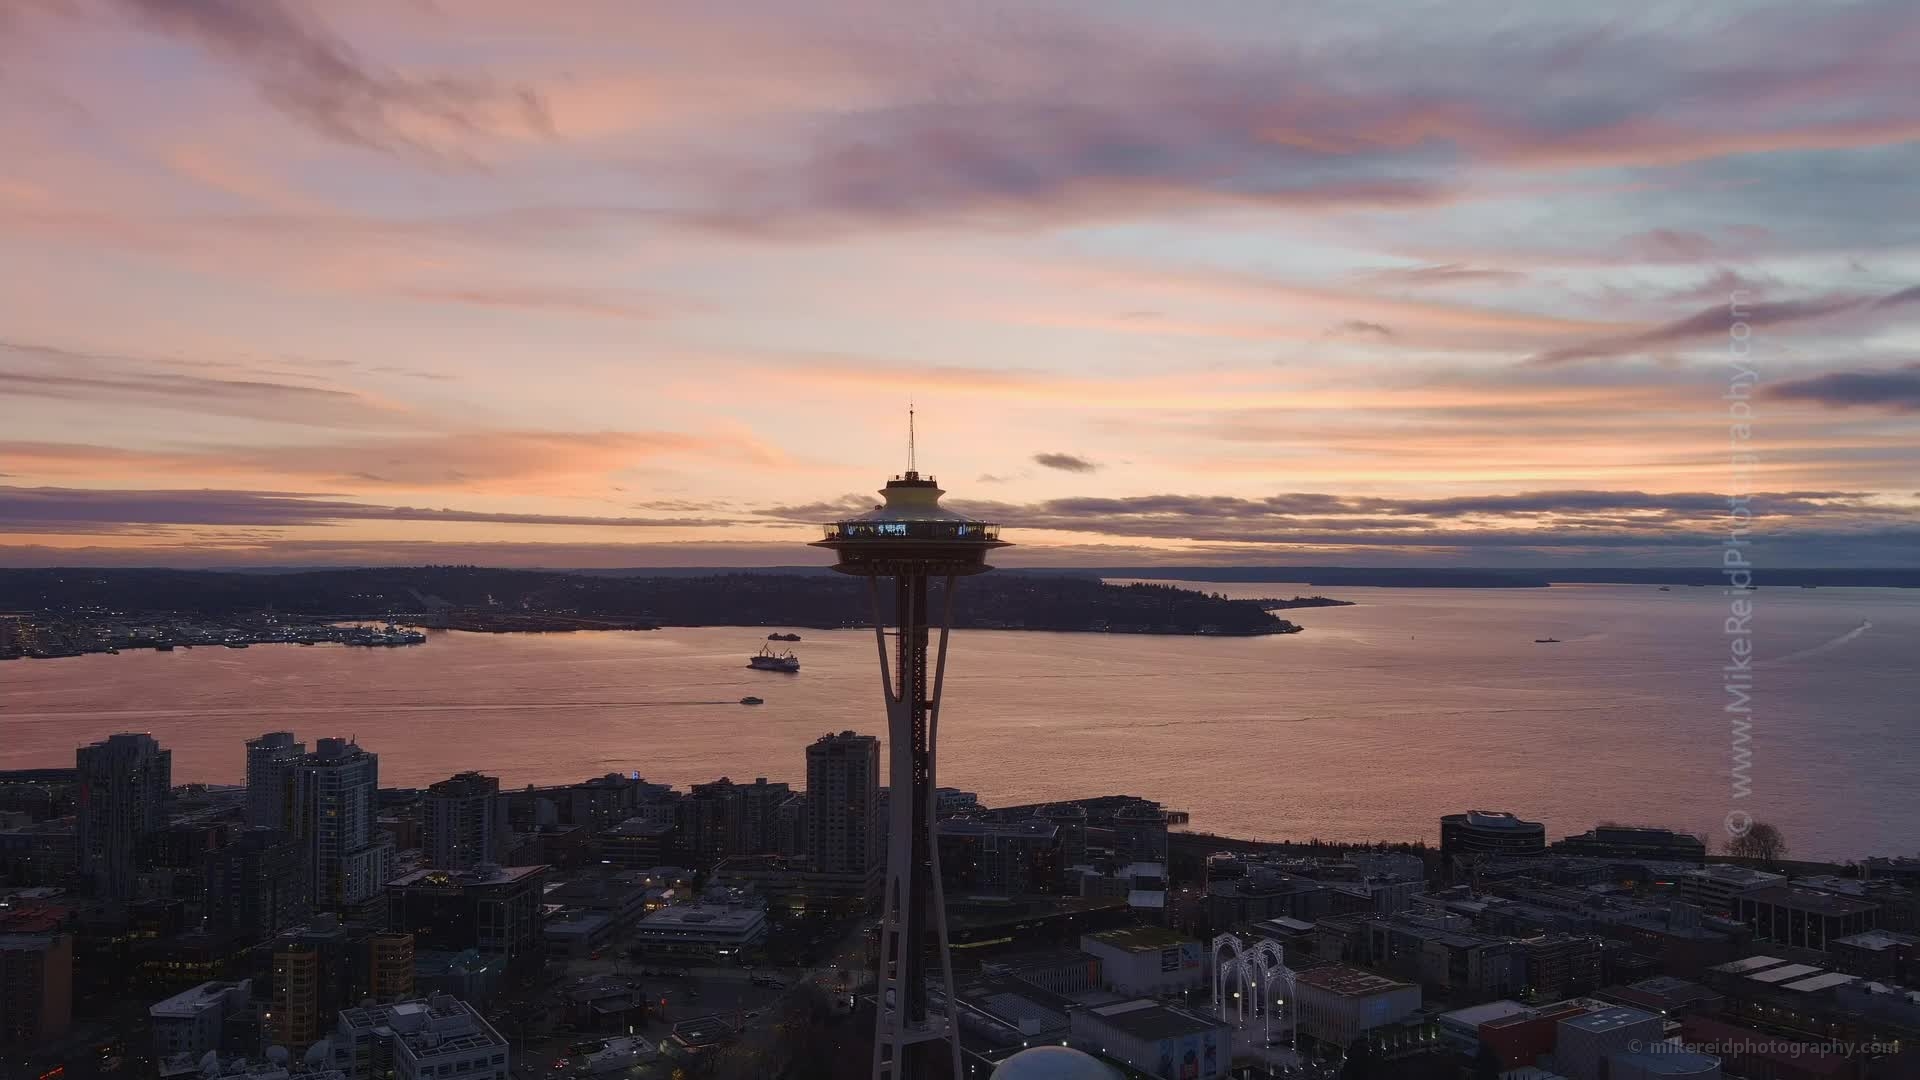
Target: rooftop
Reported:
point(1474, 1016)
point(1140, 938)
point(1348, 982)
point(1739, 876)
point(1150, 1021)
point(1784, 973)
point(703, 917)
point(1494, 819)
point(1613, 1019)
point(1799, 899)
point(427, 1027)
point(1878, 940)
point(208, 995)
point(481, 875)
point(1673, 1062)
point(1751, 963)
point(1824, 981)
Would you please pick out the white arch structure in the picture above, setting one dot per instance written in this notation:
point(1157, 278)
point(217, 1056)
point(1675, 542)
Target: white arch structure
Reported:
point(1265, 982)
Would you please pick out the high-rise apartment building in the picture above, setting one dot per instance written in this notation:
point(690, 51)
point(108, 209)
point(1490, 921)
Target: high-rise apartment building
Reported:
point(334, 795)
point(391, 964)
point(843, 798)
point(36, 988)
point(270, 762)
point(258, 883)
point(124, 783)
point(462, 823)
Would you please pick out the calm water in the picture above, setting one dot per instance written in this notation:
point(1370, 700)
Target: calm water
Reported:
point(1371, 724)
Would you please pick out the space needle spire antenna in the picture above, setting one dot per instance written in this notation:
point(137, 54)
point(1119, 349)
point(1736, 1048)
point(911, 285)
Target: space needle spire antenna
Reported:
point(910, 540)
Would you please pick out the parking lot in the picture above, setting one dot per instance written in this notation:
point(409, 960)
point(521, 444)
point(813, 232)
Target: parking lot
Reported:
point(750, 998)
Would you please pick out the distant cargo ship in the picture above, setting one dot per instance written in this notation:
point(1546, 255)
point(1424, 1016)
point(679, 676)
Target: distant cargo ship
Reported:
point(1546, 641)
point(783, 637)
point(768, 660)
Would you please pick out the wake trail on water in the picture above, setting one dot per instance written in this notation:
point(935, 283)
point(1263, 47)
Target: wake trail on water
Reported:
point(1823, 647)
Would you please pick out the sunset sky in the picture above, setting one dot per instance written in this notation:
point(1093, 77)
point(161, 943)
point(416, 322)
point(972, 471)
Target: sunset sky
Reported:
point(618, 283)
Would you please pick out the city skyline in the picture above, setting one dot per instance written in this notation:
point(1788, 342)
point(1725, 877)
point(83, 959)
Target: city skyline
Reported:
point(618, 285)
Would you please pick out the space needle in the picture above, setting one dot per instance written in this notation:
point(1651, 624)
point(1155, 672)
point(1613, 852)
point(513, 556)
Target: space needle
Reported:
point(911, 539)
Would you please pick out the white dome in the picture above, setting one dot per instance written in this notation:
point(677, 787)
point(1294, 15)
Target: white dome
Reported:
point(1052, 1063)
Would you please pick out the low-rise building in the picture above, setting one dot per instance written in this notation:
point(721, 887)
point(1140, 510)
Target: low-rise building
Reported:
point(191, 1022)
point(1877, 954)
point(1146, 961)
point(1586, 1043)
point(423, 1039)
point(1668, 996)
point(1712, 888)
point(1663, 1061)
point(1338, 1004)
point(701, 929)
point(1461, 1027)
point(1156, 1039)
point(1635, 842)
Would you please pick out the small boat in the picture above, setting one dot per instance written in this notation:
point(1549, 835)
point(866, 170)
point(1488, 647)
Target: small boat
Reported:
point(164, 646)
point(1546, 641)
point(768, 660)
point(783, 637)
point(751, 700)
point(1666, 588)
point(236, 644)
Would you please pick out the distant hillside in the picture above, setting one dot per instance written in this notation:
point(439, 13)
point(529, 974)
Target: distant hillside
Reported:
point(1023, 601)
point(1484, 577)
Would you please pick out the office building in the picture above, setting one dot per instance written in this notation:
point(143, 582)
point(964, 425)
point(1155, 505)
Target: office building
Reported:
point(1803, 918)
point(124, 784)
point(492, 909)
point(843, 799)
point(1560, 965)
point(1634, 842)
point(270, 762)
point(334, 793)
point(422, 1039)
point(464, 822)
point(1000, 858)
point(636, 844)
point(1712, 888)
point(36, 987)
point(257, 884)
point(1490, 832)
point(192, 1022)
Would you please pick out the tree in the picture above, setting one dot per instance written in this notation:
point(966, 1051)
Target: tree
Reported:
point(1486, 1066)
point(1762, 842)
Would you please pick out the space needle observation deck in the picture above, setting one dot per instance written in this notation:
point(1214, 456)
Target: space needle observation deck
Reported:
point(911, 532)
